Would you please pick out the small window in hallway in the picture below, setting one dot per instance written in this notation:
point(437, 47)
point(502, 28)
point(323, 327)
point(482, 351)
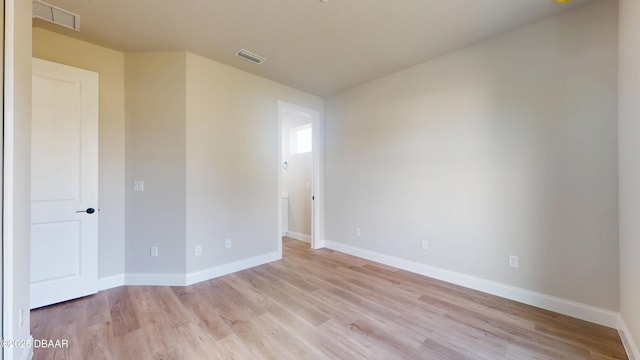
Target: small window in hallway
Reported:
point(301, 139)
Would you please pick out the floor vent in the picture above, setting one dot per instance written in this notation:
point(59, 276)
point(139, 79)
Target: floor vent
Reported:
point(56, 15)
point(249, 56)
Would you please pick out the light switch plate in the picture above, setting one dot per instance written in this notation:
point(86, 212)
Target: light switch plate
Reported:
point(138, 185)
point(514, 261)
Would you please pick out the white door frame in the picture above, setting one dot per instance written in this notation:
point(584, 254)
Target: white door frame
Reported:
point(15, 214)
point(317, 186)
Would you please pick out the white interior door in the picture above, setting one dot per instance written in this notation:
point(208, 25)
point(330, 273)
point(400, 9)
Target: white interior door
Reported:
point(64, 183)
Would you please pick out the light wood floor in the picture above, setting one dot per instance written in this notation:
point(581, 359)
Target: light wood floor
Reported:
point(314, 305)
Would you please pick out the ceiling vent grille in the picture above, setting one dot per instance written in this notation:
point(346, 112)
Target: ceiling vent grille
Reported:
point(249, 56)
point(56, 15)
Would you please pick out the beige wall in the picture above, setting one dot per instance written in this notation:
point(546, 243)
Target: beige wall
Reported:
point(629, 149)
point(296, 179)
point(17, 184)
point(505, 147)
point(155, 103)
point(232, 161)
point(109, 64)
point(230, 156)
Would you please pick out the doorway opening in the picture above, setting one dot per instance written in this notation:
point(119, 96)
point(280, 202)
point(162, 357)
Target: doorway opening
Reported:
point(299, 177)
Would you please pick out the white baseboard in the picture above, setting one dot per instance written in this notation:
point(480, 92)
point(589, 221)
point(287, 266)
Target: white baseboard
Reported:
point(319, 244)
point(298, 236)
point(111, 282)
point(304, 237)
point(563, 306)
point(217, 271)
point(152, 279)
point(629, 345)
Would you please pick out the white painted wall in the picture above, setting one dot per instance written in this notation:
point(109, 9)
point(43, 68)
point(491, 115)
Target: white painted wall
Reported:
point(629, 150)
point(505, 147)
point(296, 179)
point(17, 177)
point(109, 64)
point(155, 107)
point(232, 161)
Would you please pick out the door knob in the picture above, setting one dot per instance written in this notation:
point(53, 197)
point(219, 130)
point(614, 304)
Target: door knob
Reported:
point(88, 211)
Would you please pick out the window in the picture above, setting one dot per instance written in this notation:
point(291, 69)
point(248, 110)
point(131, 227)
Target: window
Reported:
point(301, 139)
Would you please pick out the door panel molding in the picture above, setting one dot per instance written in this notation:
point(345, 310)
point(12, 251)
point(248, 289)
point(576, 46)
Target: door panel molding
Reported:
point(64, 182)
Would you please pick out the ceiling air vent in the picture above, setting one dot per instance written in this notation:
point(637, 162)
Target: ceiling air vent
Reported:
point(249, 56)
point(56, 15)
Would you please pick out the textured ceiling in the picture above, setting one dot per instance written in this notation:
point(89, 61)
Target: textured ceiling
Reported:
point(319, 47)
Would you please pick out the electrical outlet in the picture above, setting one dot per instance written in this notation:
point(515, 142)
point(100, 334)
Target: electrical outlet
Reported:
point(154, 251)
point(513, 261)
point(227, 243)
point(425, 245)
point(21, 320)
point(198, 250)
point(357, 231)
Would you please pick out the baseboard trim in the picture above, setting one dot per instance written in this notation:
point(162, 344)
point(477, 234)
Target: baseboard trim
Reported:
point(563, 306)
point(217, 271)
point(111, 282)
point(298, 236)
point(152, 279)
point(627, 341)
point(320, 244)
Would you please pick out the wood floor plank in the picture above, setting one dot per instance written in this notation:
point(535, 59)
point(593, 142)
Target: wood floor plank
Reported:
point(232, 348)
point(123, 315)
point(94, 343)
point(315, 305)
point(348, 344)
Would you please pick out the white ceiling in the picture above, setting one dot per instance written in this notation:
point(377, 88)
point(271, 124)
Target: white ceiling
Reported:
point(319, 47)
